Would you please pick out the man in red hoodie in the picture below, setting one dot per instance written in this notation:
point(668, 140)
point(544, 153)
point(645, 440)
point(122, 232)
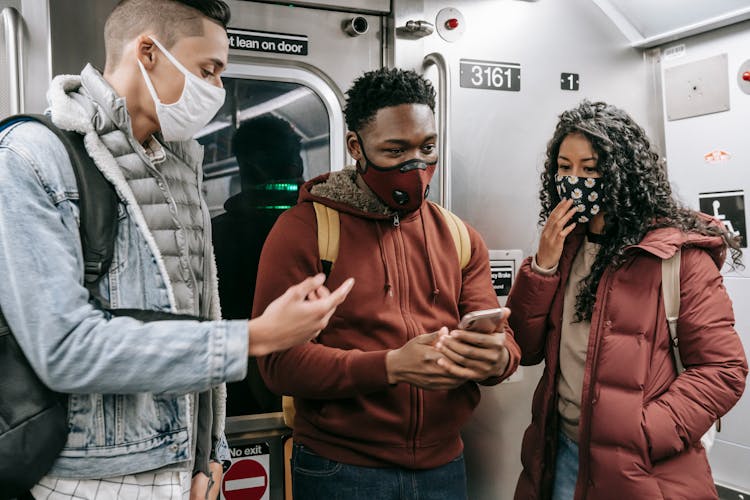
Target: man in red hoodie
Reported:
point(381, 395)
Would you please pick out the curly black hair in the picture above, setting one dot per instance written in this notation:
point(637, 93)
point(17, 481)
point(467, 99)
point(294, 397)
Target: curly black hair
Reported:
point(383, 88)
point(636, 195)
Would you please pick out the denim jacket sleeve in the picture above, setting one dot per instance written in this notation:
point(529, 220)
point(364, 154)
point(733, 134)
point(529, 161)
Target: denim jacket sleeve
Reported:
point(73, 346)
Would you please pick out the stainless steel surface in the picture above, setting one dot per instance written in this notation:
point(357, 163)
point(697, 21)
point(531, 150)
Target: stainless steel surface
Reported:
point(742, 82)
point(497, 147)
point(697, 88)
point(356, 26)
point(446, 32)
point(37, 61)
point(444, 124)
point(652, 58)
point(333, 55)
point(649, 24)
point(688, 141)
point(374, 6)
point(12, 26)
point(726, 493)
point(77, 34)
point(416, 29)
point(59, 36)
point(255, 423)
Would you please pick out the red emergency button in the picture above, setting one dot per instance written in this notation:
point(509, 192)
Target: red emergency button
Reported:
point(452, 23)
point(746, 76)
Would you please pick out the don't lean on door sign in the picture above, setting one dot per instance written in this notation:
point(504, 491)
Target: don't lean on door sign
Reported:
point(729, 208)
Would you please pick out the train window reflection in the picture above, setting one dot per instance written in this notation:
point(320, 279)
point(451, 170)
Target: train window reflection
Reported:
point(267, 139)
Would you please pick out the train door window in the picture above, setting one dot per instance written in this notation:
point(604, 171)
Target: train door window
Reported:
point(270, 136)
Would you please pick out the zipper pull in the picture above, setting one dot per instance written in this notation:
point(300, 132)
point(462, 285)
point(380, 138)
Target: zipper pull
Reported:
point(396, 220)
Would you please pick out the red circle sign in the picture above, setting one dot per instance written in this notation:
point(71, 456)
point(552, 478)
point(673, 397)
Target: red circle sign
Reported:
point(246, 479)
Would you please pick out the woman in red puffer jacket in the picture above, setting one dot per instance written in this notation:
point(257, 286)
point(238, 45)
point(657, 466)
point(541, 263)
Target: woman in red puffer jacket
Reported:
point(610, 417)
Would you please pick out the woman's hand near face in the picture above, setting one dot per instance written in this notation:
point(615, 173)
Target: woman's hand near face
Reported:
point(554, 234)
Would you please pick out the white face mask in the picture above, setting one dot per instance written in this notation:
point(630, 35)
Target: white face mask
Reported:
point(196, 106)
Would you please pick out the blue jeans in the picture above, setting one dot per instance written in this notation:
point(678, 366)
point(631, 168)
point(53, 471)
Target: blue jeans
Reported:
point(566, 468)
point(318, 478)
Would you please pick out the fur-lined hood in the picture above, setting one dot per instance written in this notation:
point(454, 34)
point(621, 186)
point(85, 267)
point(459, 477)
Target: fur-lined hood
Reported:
point(340, 191)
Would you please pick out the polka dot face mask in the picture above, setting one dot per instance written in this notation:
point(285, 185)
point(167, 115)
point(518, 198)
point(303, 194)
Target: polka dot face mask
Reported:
point(584, 191)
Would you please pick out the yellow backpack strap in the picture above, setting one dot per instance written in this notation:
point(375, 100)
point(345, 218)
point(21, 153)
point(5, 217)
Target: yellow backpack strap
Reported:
point(288, 411)
point(459, 233)
point(328, 248)
point(328, 235)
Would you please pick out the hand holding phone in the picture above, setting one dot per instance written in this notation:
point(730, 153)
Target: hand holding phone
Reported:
point(485, 321)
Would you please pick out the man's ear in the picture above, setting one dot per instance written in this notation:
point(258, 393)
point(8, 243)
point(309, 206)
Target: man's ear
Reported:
point(353, 145)
point(145, 51)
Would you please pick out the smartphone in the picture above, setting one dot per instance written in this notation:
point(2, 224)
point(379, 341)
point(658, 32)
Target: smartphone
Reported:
point(485, 321)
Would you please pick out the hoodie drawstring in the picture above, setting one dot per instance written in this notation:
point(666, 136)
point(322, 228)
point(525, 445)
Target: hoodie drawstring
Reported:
point(388, 287)
point(435, 289)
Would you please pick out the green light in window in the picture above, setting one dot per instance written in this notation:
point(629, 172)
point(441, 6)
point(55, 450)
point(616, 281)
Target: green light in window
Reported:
point(278, 186)
point(274, 207)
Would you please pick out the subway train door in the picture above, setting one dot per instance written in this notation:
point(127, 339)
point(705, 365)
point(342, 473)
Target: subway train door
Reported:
point(281, 124)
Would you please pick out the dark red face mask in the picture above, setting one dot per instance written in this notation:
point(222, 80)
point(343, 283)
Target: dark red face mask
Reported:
point(402, 187)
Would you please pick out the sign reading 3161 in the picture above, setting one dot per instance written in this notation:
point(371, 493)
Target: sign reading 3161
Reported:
point(490, 75)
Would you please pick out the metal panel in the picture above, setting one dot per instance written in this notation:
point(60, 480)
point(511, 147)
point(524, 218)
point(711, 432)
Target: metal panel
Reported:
point(333, 54)
point(5, 97)
point(648, 24)
point(498, 144)
point(11, 59)
point(689, 144)
point(77, 34)
point(62, 36)
point(382, 6)
point(697, 88)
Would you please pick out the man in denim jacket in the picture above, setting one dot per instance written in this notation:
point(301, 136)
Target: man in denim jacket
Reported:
point(146, 404)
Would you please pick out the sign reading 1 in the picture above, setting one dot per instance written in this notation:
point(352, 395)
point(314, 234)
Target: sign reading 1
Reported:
point(490, 75)
point(569, 81)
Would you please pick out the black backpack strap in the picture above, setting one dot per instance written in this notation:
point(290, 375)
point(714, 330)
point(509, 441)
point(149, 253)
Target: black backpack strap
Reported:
point(98, 214)
point(97, 200)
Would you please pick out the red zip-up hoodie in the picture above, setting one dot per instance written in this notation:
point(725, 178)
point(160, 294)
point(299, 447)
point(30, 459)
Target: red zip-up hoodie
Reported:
point(408, 282)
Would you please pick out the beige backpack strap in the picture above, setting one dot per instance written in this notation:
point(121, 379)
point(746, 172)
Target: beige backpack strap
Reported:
point(328, 247)
point(460, 235)
point(670, 288)
point(328, 235)
point(288, 411)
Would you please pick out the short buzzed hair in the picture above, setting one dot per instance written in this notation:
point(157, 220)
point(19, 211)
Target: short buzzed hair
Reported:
point(170, 20)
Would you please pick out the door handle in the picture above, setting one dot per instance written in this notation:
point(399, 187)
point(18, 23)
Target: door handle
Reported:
point(12, 24)
point(444, 123)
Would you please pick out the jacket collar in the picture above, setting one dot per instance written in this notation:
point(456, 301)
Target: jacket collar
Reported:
point(340, 191)
point(87, 103)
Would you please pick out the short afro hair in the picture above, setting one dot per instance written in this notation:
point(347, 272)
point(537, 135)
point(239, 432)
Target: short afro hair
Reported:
point(383, 88)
